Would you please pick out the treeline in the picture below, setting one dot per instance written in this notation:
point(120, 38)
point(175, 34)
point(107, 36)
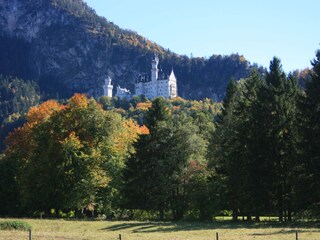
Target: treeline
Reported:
point(72, 158)
point(265, 151)
point(256, 154)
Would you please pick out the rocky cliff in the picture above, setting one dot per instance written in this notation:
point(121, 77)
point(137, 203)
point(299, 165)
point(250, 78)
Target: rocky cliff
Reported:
point(65, 47)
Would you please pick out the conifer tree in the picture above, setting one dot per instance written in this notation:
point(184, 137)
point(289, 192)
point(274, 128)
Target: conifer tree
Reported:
point(154, 178)
point(224, 151)
point(253, 189)
point(228, 99)
point(144, 176)
point(277, 106)
point(308, 189)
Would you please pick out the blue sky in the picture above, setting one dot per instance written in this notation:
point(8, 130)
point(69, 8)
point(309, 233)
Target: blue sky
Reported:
point(257, 29)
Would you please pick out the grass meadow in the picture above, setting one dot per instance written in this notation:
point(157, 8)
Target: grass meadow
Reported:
point(132, 230)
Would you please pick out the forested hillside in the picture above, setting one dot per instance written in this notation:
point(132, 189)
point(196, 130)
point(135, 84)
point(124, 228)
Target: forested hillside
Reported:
point(66, 48)
point(16, 97)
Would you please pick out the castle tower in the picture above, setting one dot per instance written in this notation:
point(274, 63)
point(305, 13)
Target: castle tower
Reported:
point(153, 85)
point(107, 87)
point(173, 91)
point(154, 69)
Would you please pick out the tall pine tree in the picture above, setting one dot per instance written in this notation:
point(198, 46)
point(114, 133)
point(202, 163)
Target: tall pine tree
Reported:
point(277, 106)
point(156, 176)
point(308, 191)
point(224, 151)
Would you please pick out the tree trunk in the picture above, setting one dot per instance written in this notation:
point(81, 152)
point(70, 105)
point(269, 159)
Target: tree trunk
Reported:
point(180, 214)
point(289, 212)
point(280, 215)
point(280, 204)
point(161, 214)
point(235, 215)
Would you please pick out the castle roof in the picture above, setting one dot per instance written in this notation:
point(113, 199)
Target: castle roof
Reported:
point(172, 76)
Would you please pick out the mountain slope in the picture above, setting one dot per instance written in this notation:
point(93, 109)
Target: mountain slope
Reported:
point(65, 47)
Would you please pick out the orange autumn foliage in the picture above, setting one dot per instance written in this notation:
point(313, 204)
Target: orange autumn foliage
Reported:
point(134, 129)
point(144, 130)
point(143, 106)
point(78, 100)
point(21, 138)
point(128, 135)
point(42, 112)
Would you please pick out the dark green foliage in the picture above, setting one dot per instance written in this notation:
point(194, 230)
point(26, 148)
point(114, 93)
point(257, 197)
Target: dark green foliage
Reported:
point(224, 154)
point(158, 176)
point(254, 148)
point(157, 113)
point(277, 102)
point(16, 97)
point(146, 168)
point(256, 170)
point(143, 168)
point(228, 99)
point(15, 225)
point(9, 194)
point(309, 164)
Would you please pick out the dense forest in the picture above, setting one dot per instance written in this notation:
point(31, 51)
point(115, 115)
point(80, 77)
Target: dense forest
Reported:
point(16, 97)
point(255, 154)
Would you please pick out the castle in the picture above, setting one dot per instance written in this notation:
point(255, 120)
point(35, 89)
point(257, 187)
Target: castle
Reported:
point(165, 87)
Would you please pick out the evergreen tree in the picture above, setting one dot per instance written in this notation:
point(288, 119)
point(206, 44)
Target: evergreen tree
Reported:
point(145, 178)
point(155, 176)
point(277, 106)
point(254, 146)
point(228, 99)
point(309, 164)
point(255, 169)
point(224, 152)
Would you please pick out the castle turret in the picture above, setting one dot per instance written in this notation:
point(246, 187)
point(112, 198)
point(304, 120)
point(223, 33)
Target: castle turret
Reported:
point(173, 91)
point(107, 87)
point(154, 69)
point(172, 77)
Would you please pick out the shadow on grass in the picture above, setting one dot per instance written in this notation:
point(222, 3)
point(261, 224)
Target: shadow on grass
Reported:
point(149, 227)
point(145, 227)
point(283, 231)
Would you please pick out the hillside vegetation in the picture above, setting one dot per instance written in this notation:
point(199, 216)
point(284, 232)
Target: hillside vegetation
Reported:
point(66, 48)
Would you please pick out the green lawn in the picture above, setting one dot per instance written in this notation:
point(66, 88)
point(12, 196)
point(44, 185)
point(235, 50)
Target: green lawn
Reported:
point(105, 230)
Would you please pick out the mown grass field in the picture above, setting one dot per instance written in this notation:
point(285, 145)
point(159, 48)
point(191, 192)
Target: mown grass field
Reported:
point(105, 230)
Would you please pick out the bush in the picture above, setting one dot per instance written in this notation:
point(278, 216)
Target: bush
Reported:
point(15, 225)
